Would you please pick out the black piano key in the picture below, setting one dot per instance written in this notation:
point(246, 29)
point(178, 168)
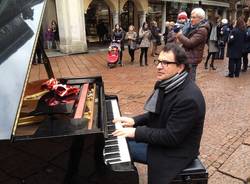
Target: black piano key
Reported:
point(111, 149)
point(110, 115)
point(114, 160)
point(112, 155)
point(110, 130)
point(111, 137)
point(113, 142)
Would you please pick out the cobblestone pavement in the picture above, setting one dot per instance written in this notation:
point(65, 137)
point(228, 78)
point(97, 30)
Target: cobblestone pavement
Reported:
point(225, 145)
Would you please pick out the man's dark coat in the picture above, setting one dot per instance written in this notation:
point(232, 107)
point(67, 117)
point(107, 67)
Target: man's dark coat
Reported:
point(173, 135)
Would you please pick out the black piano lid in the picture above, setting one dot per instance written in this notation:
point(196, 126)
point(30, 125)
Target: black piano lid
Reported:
point(20, 22)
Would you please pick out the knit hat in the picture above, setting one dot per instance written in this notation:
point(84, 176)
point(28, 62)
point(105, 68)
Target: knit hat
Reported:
point(224, 21)
point(182, 15)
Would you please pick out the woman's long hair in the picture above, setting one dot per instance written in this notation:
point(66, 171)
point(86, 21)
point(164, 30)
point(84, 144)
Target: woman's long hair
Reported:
point(240, 24)
point(118, 30)
point(143, 26)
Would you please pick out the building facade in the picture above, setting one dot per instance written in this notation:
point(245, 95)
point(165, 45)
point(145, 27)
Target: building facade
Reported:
point(78, 19)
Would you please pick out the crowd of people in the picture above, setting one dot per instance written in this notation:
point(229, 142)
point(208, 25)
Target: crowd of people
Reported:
point(167, 136)
point(193, 33)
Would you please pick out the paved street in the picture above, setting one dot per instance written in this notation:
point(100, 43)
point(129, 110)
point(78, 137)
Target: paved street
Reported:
point(225, 143)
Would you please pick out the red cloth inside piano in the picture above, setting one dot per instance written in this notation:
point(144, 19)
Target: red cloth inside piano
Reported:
point(63, 93)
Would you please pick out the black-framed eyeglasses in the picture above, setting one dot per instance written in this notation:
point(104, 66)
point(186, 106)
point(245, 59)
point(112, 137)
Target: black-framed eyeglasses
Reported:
point(164, 62)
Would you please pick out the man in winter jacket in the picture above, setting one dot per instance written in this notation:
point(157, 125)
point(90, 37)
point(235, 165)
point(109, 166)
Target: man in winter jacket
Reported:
point(194, 39)
point(167, 137)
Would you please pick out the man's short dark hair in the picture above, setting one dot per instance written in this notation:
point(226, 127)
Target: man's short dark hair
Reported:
point(179, 54)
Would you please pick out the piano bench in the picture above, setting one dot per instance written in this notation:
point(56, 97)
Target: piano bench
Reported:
point(195, 173)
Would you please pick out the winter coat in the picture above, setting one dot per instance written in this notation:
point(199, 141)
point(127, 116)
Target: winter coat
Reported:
point(174, 135)
point(119, 35)
point(246, 48)
point(146, 38)
point(235, 43)
point(194, 42)
point(131, 37)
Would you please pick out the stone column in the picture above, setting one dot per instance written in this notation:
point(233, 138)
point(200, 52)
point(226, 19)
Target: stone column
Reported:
point(71, 23)
point(115, 18)
point(142, 17)
point(164, 14)
point(224, 14)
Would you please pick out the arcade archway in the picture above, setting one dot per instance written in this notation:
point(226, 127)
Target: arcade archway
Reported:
point(127, 15)
point(97, 22)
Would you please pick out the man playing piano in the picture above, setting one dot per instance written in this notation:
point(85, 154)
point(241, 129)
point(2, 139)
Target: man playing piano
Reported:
point(167, 136)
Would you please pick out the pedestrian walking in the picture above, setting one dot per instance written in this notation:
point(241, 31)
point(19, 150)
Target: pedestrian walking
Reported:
point(49, 38)
point(235, 48)
point(212, 44)
point(118, 35)
point(223, 32)
point(131, 36)
point(195, 38)
point(167, 136)
point(246, 48)
point(156, 38)
point(55, 35)
point(144, 42)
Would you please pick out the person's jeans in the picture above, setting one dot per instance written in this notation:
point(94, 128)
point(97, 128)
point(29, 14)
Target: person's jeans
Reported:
point(138, 151)
point(192, 71)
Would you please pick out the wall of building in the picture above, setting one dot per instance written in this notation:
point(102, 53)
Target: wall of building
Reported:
point(71, 17)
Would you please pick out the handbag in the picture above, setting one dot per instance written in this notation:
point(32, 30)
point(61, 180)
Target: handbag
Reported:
point(139, 40)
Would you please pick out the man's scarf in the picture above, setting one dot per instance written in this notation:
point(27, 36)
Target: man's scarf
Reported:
point(153, 104)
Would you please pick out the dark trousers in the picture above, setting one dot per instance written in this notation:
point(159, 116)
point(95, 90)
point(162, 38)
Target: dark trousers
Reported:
point(144, 51)
point(131, 53)
point(213, 57)
point(245, 61)
point(138, 151)
point(192, 71)
point(234, 67)
point(120, 57)
point(221, 53)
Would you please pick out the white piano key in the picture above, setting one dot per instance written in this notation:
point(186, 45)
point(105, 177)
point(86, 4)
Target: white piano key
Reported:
point(122, 143)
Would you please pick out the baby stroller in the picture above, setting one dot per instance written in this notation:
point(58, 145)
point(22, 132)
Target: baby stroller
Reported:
point(113, 53)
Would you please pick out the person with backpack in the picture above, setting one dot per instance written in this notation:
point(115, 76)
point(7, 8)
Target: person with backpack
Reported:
point(246, 48)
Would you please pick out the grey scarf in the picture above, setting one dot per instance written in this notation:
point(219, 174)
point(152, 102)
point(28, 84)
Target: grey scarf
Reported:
point(153, 104)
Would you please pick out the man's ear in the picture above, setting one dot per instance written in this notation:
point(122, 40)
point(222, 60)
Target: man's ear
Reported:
point(181, 68)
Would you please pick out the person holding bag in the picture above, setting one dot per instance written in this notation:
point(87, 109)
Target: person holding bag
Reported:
point(144, 35)
point(131, 36)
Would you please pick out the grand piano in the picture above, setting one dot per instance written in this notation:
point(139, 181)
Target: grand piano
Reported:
point(46, 137)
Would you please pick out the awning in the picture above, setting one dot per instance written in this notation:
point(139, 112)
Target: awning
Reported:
point(204, 2)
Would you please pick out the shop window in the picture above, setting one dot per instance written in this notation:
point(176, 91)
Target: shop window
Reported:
point(155, 12)
point(127, 15)
point(97, 12)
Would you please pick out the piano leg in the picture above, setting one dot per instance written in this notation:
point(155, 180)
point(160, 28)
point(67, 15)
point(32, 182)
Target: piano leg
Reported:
point(75, 156)
point(86, 161)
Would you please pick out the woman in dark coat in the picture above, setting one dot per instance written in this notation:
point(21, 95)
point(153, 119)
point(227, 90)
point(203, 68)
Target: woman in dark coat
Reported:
point(118, 35)
point(246, 49)
point(235, 48)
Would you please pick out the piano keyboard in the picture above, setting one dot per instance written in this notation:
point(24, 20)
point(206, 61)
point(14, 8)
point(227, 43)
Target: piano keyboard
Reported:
point(116, 148)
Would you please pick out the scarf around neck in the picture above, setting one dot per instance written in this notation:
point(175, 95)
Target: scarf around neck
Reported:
point(153, 104)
